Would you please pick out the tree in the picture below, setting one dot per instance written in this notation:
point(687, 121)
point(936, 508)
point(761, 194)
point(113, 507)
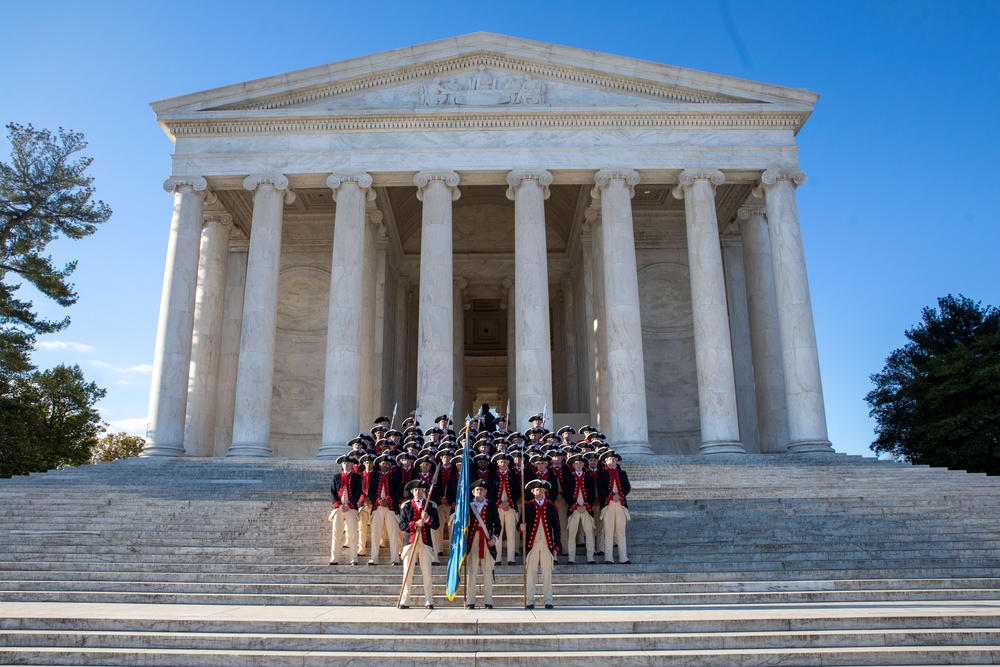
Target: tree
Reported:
point(117, 446)
point(937, 400)
point(44, 193)
point(48, 420)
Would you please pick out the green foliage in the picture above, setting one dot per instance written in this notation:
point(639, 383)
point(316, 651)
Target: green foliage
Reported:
point(44, 194)
point(117, 446)
point(48, 420)
point(937, 400)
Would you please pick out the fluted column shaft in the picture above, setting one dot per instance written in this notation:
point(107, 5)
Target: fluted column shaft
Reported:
point(529, 189)
point(623, 325)
point(206, 343)
point(435, 336)
point(255, 374)
point(342, 387)
point(720, 430)
point(800, 357)
point(172, 355)
point(765, 338)
point(459, 345)
point(507, 304)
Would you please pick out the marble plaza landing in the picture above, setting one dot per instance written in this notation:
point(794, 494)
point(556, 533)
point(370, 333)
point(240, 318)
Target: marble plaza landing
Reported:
point(778, 560)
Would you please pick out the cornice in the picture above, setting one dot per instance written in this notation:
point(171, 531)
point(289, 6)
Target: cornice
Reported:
point(487, 121)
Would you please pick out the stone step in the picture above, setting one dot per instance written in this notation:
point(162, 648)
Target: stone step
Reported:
point(511, 601)
point(904, 655)
point(472, 643)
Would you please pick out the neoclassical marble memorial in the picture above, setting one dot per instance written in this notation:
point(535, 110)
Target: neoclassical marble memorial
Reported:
point(486, 219)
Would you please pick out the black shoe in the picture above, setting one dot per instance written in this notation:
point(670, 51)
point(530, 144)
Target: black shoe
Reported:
point(333, 562)
point(470, 606)
point(591, 562)
point(403, 606)
point(529, 606)
point(548, 606)
point(626, 562)
point(510, 562)
point(435, 562)
point(598, 553)
point(489, 606)
point(428, 606)
point(371, 562)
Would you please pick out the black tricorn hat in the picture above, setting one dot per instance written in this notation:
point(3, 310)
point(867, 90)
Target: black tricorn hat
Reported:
point(417, 484)
point(566, 429)
point(537, 484)
point(346, 459)
point(477, 484)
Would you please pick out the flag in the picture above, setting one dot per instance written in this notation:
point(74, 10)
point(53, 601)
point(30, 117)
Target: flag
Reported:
point(460, 529)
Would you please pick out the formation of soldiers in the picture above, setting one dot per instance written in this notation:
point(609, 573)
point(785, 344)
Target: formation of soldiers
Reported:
point(540, 494)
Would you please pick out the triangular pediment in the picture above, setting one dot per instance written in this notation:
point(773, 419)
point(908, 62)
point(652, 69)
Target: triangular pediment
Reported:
point(485, 71)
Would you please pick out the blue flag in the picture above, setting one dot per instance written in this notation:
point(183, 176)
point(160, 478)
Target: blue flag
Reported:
point(460, 529)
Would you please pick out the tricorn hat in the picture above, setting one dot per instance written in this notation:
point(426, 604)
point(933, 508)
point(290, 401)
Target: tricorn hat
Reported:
point(537, 484)
point(417, 484)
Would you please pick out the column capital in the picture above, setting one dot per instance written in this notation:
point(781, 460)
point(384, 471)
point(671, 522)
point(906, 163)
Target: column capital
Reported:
point(449, 178)
point(374, 216)
point(461, 283)
point(518, 176)
point(278, 181)
point(362, 180)
point(222, 219)
point(603, 177)
point(773, 176)
point(752, 207)
point(198, 185)
point(689, 176)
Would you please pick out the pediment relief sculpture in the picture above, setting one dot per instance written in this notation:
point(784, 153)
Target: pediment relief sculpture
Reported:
point(483, 88)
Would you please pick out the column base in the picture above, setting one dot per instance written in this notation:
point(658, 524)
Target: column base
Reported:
point(250, 450)
point(721, 448)
point(331, 451)
point(633, 448)
point(811, 447)
point(163, 450)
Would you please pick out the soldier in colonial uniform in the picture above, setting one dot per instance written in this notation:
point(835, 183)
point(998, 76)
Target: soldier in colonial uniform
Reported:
point(579, 490)
point(505, 492)
point(613, 487)
point(440, 496)
point(418, 518)
point(366, 467)
point(384, 492)
point(345, 492)
point(541, 521)
point(484, 533)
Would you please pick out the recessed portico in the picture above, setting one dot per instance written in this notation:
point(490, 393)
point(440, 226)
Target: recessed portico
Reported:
point(468, 221)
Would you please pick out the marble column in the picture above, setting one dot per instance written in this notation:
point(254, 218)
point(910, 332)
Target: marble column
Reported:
point(529, 189)
point(461, 405)
point(507, 304)
point(255, 374)
point(400, 326)
point(230, 352)
point(342, 384)
point(172, 355)
point(381, 356)
point(623, 327)
point(720, 429)
point(739, 339)
point(206, 342)
point(765, 339)
point(369, 409)
point(800, 358)
point(570, 334)
point(436, 337)
point(592, 348)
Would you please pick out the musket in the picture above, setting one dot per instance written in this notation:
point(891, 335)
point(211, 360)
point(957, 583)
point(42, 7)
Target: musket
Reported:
point(392, 422)
point(506, 417)
point(409, 567)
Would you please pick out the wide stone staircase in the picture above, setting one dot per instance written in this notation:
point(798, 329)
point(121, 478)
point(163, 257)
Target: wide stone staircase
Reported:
point(737, 560)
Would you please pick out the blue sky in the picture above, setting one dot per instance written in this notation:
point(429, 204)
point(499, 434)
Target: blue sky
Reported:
point(902, 151)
